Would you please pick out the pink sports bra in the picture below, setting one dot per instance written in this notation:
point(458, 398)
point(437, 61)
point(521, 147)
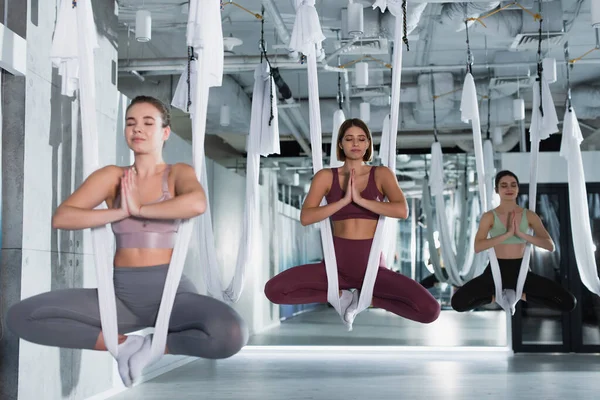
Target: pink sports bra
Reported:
point(353, 210)
point(141, 233)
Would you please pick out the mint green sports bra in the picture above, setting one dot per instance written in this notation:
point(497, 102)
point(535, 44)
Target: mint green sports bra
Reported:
point(499, 229)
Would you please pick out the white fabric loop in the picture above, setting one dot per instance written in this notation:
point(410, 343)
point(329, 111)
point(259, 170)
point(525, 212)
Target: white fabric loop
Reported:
point(307, 31)
point(581, 231)
point(338, 120)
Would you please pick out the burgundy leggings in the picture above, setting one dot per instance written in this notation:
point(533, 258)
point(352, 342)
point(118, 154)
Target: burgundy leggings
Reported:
point(393, 292)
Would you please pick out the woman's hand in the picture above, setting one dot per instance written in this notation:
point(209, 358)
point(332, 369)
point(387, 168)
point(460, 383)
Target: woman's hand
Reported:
point(516, 222)
point(131, 196)
point(510, 224)
point(355, 193)
point(124, 206)
point(347, 199)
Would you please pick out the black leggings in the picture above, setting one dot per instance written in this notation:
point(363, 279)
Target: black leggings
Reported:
point(429, 281)
point(538, 290)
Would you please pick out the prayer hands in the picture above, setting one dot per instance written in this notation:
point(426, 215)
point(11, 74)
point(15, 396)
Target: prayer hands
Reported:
point(516, 222)
point(129, 193)
point(510, 223)
point(355, 192)
point(347, 199)
point(352, 193)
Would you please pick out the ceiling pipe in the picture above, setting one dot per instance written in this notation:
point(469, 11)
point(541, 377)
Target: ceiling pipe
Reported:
point(236, 64)
point(283, 117)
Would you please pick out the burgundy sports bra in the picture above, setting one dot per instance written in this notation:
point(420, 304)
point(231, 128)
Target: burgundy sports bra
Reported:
point(141, 233)
point(353, 210)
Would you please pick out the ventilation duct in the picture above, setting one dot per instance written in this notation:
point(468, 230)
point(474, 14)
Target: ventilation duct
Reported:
point(443, 83)
point(454, 14)
point(414, 12)
point(586, 101)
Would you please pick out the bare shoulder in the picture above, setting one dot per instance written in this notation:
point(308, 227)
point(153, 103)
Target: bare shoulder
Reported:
point(111, 172)
point(321, 182)
point(487, 218)
point(383, 173)
point(325, 174)
point(182, 170)
point(182, 167)
point(531, 216)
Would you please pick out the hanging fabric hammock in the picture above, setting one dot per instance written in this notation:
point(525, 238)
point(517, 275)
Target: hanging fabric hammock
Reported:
point(205, 35)
point(338, 120)
point(262, 140)
point(542, 126)
point(459, 272)
point(76, 67)
point(306, 38)
point(581, 231)
point(79, 67)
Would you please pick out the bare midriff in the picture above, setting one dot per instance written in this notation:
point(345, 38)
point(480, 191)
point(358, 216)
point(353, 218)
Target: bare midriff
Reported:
point(356, 229)
point(510, 251)
point(142, 257)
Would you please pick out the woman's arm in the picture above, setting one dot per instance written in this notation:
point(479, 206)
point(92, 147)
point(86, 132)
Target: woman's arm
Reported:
point(77, 211)
point(312, 212)
point(396, 207)
point(189, 200)
point(541, 236)
point(481, 238)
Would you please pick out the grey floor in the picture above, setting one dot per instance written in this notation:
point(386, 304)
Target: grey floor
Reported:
point(456, 368)
point(375, 327)
point(348, 375)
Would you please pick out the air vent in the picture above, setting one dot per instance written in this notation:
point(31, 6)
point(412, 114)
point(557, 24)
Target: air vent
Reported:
point(365, 46)
point(529, 41)
point(511, 81)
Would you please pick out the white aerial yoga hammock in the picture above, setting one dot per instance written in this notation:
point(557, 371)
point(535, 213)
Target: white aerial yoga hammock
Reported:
point(542, 126)
point(307, 38)
point(205, 36)
point(338, 120)
point(76, 67)
point(581, 231)
point(80, 67)
point(263, 140)
point(463, 265)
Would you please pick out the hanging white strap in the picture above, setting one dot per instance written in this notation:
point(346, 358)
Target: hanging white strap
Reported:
point(433, 252)
point(541, 128)
point(447, 243)
point(206, 36)
point(307, 38)
point(581, 231)
point(338, 120)
point(76, 67)
point(384, 151)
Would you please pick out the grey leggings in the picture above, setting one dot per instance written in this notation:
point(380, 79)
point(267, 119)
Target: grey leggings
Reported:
point(200, 326)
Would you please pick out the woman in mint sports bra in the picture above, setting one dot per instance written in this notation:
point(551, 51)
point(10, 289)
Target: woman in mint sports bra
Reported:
point(354, 194)
point(145, 204)
point(507, 227)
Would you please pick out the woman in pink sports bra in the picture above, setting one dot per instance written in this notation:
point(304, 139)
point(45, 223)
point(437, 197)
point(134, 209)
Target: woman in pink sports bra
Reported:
point(354, 194)
point(145, 203)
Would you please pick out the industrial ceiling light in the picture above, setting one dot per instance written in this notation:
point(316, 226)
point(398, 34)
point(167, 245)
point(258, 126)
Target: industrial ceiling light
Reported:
point(595, 11)
point(365, 112)
point(225, 115)
point(497, 135)
point(519, 109)
point(361, 74)
point(356, 23)
point(143, 26)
